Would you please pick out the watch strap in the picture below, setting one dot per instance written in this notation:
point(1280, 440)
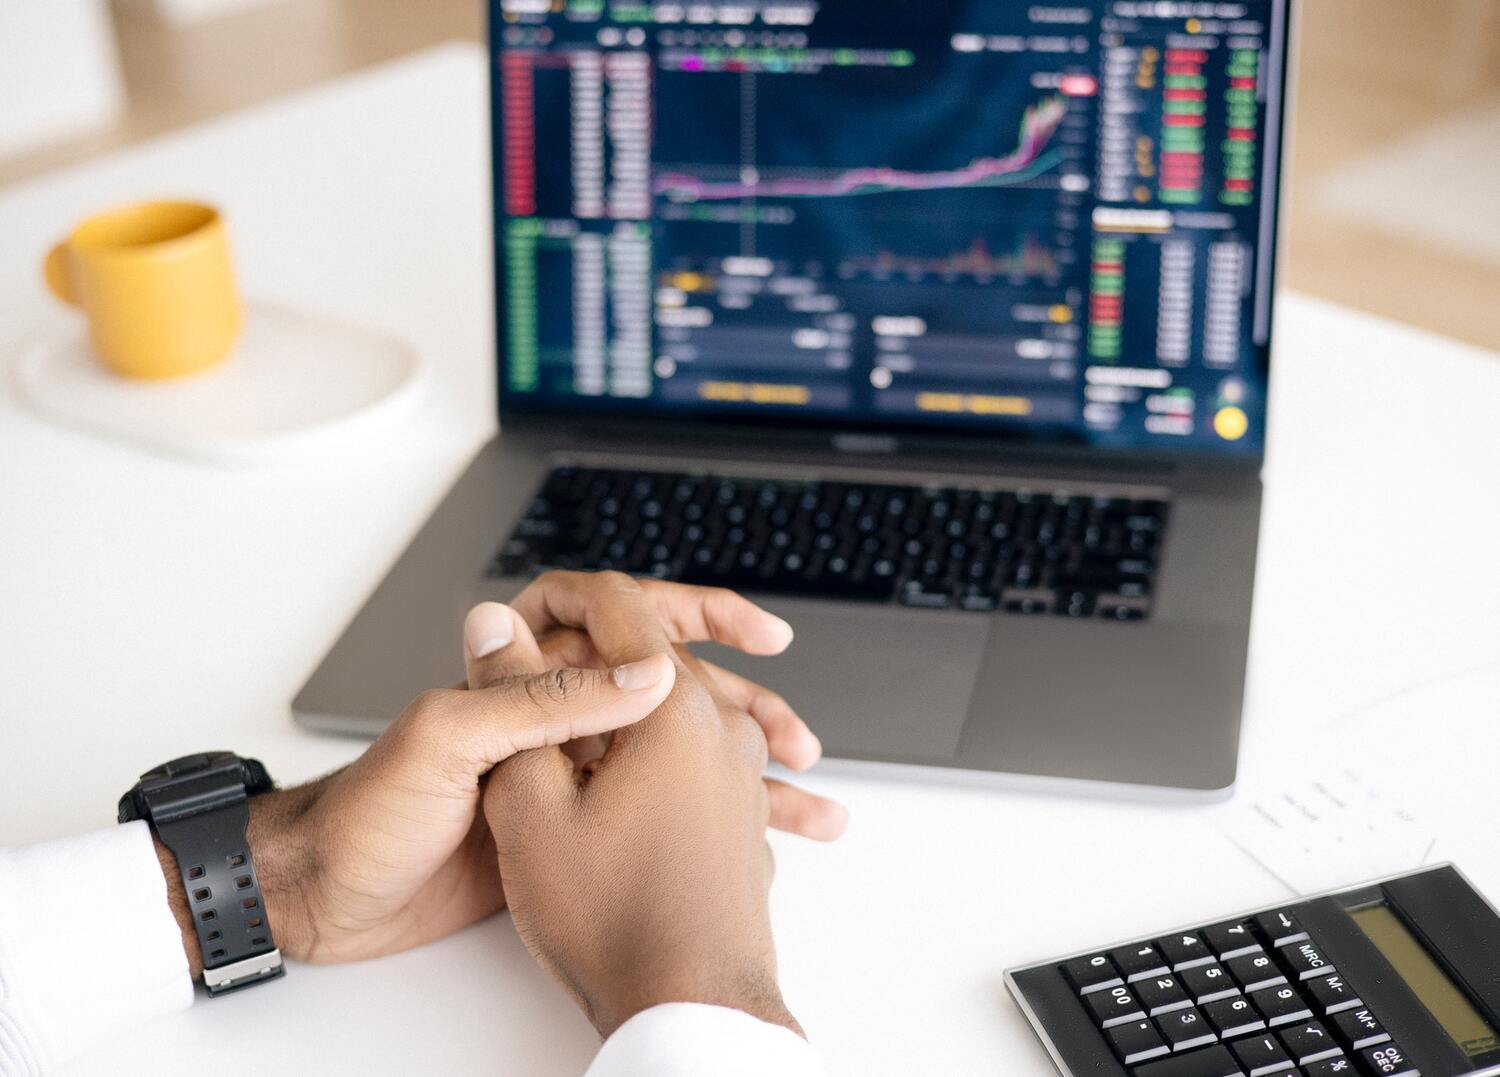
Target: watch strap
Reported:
point(203, 818)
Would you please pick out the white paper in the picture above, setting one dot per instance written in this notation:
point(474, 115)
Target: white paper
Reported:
point(1412, 781)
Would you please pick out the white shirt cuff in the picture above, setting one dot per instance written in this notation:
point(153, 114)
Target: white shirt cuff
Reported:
point(686, 1039)
point(88, 946)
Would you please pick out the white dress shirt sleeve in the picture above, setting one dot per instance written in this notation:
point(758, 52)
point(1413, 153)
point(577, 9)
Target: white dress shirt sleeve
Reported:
point(685, 1039)
point(88, 946)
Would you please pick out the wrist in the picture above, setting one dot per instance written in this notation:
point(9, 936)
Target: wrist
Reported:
point(276, 848)
point(756, 994)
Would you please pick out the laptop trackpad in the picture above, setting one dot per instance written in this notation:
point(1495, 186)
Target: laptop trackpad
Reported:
point(874, 683)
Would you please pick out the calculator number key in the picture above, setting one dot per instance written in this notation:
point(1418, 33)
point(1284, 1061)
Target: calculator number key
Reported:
point(1254, 971)
point(1137, 1042)
point(1093, 973)
point(1232, 939)
point(1162, 994)
point(1387, 1060)
point(1232, 1017)
point(1138, 962)
point(1185, 951)
point(1185, 1029)
point(1281, 1005)
point(1208, 983)
point(1114, 1006)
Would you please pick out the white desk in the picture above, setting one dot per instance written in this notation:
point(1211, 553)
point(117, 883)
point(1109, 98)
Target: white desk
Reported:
point(150, 607)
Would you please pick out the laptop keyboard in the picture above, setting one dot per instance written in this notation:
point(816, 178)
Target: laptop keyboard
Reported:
point(1019, 551)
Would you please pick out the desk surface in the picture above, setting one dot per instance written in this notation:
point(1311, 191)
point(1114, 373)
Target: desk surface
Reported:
point(152, 607)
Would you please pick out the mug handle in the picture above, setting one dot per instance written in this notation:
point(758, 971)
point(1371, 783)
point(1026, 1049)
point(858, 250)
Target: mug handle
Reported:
point(55, 270)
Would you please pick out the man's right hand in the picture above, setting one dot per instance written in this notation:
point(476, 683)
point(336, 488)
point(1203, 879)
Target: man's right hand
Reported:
point(643, 878)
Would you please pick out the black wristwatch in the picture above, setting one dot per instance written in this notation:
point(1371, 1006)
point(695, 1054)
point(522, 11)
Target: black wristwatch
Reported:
point(198, 807)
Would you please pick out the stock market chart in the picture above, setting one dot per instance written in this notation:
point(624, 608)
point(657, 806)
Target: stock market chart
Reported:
point(1054, 219)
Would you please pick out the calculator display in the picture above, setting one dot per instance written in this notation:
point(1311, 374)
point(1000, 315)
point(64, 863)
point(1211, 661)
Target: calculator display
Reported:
point(1442, 997)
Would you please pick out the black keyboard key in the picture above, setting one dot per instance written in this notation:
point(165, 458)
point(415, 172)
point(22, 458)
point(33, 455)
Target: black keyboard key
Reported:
point(1262, 1055)
point(1233, 1017)
point(1074, 603)
point(1137, 1042)
point(1359, 1028)
point(1114, 1006)
point(1281, 1005)
point(1387, 1060)
point(1254, 971)
point(1231, 939)
point(1161, 994)
point(1215, 1061)
point(1184, 951)
point(1343, 1066)
point(1032, 601)
point(1208, 983)
point(1304, 960)
point(1185, 1029)
point(1092, 973)
point(1332, 993)
point(928, 595)
point(1138, 962)
point(979, 598)
point(1280, 927)
point(1309, 1042)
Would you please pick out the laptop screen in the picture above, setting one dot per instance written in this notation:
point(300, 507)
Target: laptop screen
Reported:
point(1051, 221)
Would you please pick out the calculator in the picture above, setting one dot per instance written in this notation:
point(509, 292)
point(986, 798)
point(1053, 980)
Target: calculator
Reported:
point(1394, 978)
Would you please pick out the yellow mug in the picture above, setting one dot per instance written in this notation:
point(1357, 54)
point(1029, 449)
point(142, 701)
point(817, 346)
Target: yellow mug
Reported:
point(155, 281)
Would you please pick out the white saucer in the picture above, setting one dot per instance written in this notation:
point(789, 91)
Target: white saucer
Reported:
point(295, 383)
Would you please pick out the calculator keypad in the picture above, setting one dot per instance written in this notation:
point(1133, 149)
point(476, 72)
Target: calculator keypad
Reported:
point(1252, 997)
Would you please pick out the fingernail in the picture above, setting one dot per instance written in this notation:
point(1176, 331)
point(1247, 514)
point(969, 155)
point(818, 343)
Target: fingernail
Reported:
point(488, 628)
point(638, 676)
point(786, 629)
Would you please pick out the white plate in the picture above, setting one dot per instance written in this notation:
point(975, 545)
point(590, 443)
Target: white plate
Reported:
point(295, 383)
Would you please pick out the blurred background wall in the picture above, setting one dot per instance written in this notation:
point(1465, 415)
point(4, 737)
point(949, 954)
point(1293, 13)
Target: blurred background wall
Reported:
point(1395, 170)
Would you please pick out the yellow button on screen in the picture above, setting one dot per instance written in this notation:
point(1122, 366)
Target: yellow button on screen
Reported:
point(1231, 423)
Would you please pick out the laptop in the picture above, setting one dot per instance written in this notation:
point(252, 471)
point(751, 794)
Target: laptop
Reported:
point(942, 330)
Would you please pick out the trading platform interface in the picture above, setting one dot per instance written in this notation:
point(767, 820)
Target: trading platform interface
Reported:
point(1049, 219)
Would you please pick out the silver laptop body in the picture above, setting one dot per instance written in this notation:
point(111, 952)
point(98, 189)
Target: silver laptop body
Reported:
point(776, 248)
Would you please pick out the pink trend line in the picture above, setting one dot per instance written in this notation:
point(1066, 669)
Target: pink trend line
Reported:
point(1037, 127)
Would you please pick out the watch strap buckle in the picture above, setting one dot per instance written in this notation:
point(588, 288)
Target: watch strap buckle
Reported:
point(242, 973)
